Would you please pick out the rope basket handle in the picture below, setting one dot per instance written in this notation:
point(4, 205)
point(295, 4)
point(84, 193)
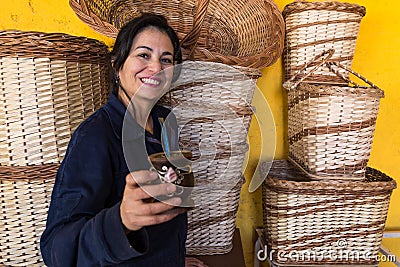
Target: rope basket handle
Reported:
point(290, 84)
point(331, 63)
point(190, 40)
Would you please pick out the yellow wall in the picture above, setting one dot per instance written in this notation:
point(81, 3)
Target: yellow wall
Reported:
point(377, 55)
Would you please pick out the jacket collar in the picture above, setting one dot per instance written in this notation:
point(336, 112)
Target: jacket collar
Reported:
point(122, 121)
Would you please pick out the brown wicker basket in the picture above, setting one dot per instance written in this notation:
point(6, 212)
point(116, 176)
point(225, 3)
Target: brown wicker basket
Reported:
point(324, 222)
point(49, 83)
point(249, 34)
point(212, 103)
point(25, 196)
point(312, 27)
point(331, 127)
point(211, 227)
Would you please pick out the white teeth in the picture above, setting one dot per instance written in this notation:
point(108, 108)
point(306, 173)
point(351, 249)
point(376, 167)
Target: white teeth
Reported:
point(150, 81)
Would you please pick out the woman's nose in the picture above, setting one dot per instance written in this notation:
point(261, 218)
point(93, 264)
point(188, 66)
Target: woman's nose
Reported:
point(155, 66)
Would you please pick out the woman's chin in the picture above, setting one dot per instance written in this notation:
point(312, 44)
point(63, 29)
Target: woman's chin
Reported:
point(152, 92)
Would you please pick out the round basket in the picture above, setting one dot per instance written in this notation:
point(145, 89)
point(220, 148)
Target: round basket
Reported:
point(331, 127)
point(212, 104)
point(249, 34)
point(49, 83)
point(312, 27)
point(324, 222)
point(23, 212)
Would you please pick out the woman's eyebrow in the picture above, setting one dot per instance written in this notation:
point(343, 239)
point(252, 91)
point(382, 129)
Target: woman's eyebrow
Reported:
point(151, 50)
point(143, 47)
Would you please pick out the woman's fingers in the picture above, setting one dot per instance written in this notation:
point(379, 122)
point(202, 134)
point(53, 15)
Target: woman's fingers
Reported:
point(157, 207)
point(146, 220)
point(134, 179)
point(136, 209)
point(146, 190)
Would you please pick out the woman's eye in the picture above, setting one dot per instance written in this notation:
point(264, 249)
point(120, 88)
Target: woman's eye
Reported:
point(143, 55)
point(166, 60)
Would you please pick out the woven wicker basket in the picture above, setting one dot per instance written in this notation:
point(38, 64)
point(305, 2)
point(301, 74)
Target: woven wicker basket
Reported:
point(49, 83)
point(312, 27)
point(249, 34)
point(324, 222)
point(331, 127)
point(25, 195)
point(211, 227)
point(214, 122)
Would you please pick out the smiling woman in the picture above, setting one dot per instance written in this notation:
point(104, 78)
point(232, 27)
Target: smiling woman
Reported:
point(98, 214)
point(377, 56)
point(146, 73)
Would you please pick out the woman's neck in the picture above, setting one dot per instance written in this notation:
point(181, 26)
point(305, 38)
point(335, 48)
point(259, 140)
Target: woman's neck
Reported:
point(139, 110)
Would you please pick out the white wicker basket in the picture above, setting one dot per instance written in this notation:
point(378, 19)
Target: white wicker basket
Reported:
point(312, 27)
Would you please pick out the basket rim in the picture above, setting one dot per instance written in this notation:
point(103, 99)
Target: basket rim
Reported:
point(35, 44)
point(302, 5)
point(375, 181)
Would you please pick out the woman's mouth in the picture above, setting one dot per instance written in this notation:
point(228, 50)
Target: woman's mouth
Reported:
point(150, 81)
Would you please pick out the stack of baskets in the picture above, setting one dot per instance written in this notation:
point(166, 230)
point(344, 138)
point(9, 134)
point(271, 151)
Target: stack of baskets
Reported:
point(212, 103)
point(323, 205)
point(49, 84)
point(225, 44)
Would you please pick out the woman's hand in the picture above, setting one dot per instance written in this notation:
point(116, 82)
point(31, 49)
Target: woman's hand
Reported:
point(136, 209)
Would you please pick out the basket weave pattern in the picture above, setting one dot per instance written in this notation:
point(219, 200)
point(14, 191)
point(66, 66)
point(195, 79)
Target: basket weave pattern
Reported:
point(211, 228)
point(49, 84)
point(321, 216)
point(249, 34)
point(214, 123)
point(312, 27)
point(331, 128)
point(25, 195)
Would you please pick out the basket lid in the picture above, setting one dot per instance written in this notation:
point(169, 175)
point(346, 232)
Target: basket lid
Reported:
point(244, 33)
point(302, 5)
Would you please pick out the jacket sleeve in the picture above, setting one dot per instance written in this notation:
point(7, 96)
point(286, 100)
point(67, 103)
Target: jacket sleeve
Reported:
point(81, 230)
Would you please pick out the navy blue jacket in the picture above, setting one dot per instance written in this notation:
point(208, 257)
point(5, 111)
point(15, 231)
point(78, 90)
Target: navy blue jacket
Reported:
point(84, 226)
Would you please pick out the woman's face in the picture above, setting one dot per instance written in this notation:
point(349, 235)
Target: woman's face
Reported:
point(147, 72)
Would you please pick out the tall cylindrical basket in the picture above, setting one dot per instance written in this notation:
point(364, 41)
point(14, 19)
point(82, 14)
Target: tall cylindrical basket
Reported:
point(49, 84)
